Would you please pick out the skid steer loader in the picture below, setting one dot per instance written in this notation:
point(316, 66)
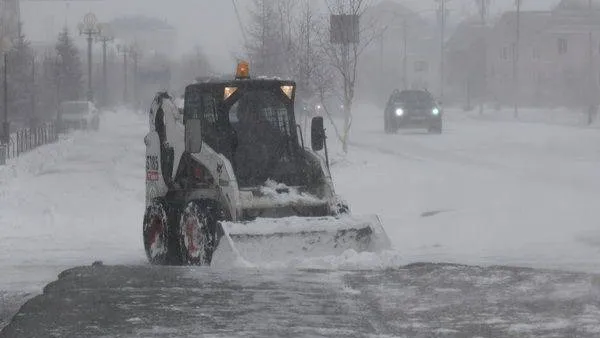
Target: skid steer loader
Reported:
point(231, 168)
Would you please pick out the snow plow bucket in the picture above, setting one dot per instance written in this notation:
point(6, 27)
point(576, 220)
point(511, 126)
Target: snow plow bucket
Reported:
point(284, 239)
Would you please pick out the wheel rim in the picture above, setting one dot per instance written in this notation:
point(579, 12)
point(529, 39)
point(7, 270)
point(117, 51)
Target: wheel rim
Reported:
point(194, 239)
point(155, 235)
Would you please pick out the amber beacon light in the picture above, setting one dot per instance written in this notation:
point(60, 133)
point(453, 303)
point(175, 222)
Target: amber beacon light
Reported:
point(243, 70)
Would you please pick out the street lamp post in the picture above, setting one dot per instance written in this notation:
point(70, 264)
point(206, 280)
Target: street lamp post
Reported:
point(135, 53)
point(90, 28)
point(405, 54)
point(406, 39)
point(442, 13)
point(124, 49)
point(58, 63)
point(33, 119)
point(5, 124)
point(6, 47)
point(516, 61)
point(104, 38)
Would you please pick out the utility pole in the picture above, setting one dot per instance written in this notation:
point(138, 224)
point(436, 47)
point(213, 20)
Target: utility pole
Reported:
point(5, 47)
point(58, 63)
point(104, 38)
point(5, 125)
point(405, 52)
point(89, 27)
point(381, 46)
point(442, 19)
point(591, 77)
point(33, 122)
point(484, 90)
point(516, 61)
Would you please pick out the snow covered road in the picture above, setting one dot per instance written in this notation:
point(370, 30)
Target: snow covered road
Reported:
point(71, 203)
point(507, 193)
point(484, 192)
point(417, 301)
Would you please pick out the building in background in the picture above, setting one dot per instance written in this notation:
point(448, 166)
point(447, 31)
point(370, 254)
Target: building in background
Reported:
point(535, 55)
point(559, 56)
point(154, 41)
point(152, 36)
point(404, 53)
point(9, 19)
point(465, 69)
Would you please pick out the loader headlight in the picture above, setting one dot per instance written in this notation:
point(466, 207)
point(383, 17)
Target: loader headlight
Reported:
point(435, 111)
point(287, 90)
point(399, 112)
point(228, 92)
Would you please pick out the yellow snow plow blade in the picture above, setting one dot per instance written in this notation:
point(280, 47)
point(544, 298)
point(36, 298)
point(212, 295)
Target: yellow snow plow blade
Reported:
point(284, 239)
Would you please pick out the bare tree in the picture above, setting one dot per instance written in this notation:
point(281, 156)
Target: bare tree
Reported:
point(192, 65)
point(344, 58)
point(270, 43)
point(286, 10)
point(311, 68)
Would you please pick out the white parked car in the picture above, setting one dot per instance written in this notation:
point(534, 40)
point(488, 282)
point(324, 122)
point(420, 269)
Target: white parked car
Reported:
point(78, 115)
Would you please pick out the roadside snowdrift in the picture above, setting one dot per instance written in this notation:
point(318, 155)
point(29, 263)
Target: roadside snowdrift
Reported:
point(73, 202)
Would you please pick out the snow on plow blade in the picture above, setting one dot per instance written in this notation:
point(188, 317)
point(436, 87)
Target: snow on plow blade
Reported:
point(283, 239)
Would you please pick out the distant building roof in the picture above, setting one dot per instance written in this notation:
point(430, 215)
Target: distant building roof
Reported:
point(139, 23)
point(577, 5)
point(466, 34)
point(393, 13)
point(531, 22)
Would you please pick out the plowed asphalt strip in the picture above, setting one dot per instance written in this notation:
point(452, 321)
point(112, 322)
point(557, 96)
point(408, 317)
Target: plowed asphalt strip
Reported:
point(420, 300)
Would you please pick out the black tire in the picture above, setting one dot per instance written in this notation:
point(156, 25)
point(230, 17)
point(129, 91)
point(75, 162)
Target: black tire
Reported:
point(437, 129)
point(198, 233)
point(156, 233)
point(96, 124)
point(389, 125)
point(386, 124)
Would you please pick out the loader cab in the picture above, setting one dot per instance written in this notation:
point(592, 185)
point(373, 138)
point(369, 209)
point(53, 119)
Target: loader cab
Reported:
point(252, 123)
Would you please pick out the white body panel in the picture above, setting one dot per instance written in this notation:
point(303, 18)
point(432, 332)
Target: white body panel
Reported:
point(155, 184)
point(220, 168)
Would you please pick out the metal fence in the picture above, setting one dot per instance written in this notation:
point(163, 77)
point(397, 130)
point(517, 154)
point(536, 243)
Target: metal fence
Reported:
point(26, 139)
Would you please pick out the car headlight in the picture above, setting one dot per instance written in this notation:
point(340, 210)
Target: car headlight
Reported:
point(435, 111)
point(399, 112)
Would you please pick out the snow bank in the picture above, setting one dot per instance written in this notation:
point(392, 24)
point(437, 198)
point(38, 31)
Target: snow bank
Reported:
point(556, 116)
point(481, 193)
point(73, 202)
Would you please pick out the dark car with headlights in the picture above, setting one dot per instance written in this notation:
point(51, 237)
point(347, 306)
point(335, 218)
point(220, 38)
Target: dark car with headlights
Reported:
point(412, 109)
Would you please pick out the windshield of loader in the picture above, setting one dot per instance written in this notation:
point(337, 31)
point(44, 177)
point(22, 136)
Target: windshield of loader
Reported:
point(254, 128)
point(262, 112)
point(264, 135)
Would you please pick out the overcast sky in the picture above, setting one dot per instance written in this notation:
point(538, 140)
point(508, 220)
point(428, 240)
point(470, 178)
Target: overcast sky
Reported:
point(212, 24)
